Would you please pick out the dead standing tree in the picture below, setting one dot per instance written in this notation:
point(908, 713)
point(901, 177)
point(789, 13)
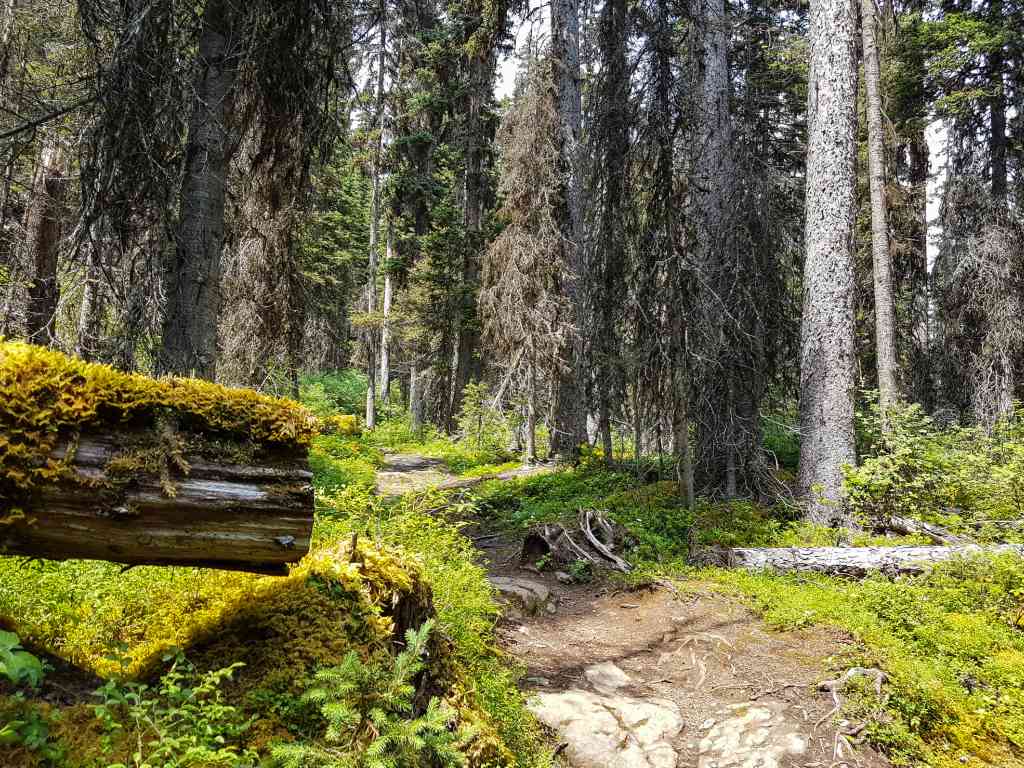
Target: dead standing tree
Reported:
point(521, 302)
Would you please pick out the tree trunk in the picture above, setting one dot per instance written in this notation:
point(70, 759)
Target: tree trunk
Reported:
point(375, 215)
point(531, 413)
point(854, 561)
point(415, 398)
point(193, 276)
point(90, 314)
point(467, 360)
point(568, 429)
point(255, 517)
point(681, 415)
point(385, 330)
point(42, 243)
point(997, 110)
point(6, 33)
point(826, 334)
point(885, 311)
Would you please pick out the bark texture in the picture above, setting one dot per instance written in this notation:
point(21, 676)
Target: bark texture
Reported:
point(193, 277)
point(251, 517)
point(885, 310)
point(42, 241)
point(569, 424)
point(826, 337)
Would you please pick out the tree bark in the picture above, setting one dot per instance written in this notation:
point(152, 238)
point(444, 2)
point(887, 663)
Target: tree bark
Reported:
point(375, 216)
point(91, 312)
point(568, 425)
point(997, 111)
point(855, 561)
point(193, 276)
point(42, 243)
point(467, 361)
point(826, 336)
point(385, 329)
point(251, 517)
point(885, 310)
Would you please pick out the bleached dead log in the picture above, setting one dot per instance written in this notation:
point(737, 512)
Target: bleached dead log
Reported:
point(907, 526)
point(856, 561)
point(251, 510)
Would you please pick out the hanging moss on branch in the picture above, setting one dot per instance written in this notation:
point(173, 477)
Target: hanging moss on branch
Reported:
point(96, 463)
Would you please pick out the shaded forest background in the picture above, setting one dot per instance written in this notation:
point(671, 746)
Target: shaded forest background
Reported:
point(253, 192)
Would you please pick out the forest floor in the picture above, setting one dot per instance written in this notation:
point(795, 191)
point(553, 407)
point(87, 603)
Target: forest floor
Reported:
point(658, 676)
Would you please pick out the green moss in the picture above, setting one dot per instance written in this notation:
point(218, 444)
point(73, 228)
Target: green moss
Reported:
point(47, 397)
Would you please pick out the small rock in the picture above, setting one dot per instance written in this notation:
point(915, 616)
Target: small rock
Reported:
point(606, 678)
point(564, 577)
point(531, 595)
point(537, 681)
point(709, 723)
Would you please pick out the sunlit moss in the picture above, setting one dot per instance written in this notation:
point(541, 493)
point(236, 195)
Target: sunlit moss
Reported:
point(47, 397)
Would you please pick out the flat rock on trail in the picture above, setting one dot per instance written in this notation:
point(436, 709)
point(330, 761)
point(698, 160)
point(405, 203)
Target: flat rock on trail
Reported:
point(407, 472)
point(656, 678)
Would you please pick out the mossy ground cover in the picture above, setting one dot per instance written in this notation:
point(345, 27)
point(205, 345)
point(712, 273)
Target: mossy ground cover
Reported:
point(134, 625)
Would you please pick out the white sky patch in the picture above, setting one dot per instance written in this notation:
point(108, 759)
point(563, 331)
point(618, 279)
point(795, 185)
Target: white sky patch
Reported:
point(536, 20)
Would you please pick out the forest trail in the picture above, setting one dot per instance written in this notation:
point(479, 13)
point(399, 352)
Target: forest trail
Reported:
point(662, 678)
point(409, 472)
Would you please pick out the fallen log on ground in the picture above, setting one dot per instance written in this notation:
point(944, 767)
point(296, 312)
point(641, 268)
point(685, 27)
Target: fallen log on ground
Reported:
point(906, 526)
point(97, 464)
point(853, 561)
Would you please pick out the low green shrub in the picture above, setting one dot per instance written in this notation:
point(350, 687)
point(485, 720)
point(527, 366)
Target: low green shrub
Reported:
point(368, 708)
point(183, 721)
point(327, 394)
point(959, 477)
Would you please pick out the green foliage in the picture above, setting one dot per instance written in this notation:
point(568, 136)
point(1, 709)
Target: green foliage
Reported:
point(338, 461)
point(16, 664)
point(26, 726)
point(482, 428)
point(183, 722)
point(327, 394)
point(782, 440)
point(958, 477)
point(370, 718)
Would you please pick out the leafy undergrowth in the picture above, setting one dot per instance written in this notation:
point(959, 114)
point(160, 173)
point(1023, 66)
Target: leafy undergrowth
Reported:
point(963, 478)
point(949, 641)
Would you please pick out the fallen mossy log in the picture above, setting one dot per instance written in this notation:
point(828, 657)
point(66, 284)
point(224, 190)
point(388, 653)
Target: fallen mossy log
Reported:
point(852, 561)
point(98, 464)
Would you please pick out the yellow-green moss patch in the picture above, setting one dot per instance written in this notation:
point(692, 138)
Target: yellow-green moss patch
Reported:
point(46, 396)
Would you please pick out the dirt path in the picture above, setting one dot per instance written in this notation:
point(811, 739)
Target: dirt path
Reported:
point(409, 472)
point(660, 678)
